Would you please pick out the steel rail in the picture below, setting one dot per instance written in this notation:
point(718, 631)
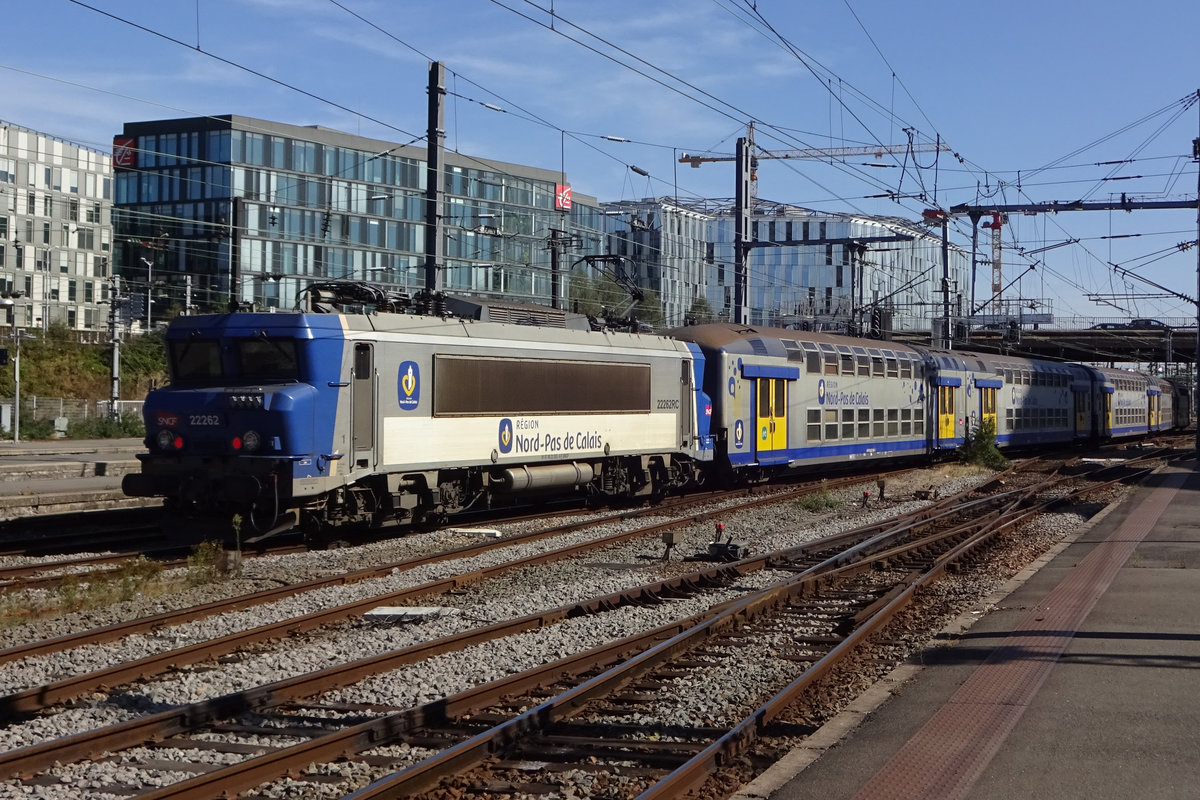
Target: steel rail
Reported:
point(375, 732)
point(175, 721)
point(692, 775)
point(38, 698)
point(473, 751)
point(168, 618)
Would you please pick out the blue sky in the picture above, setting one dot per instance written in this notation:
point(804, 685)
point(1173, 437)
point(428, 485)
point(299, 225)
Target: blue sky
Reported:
point(1034, 98)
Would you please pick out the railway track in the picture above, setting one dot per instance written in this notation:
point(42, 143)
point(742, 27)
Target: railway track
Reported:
point(39, 697)
point(839, 575)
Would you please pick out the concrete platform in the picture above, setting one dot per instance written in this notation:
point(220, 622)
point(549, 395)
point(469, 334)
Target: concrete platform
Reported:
point(1081, 682)
point(64, 475)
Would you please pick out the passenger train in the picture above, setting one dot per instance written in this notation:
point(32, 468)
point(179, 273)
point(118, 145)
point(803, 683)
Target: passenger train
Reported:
point(327, 418)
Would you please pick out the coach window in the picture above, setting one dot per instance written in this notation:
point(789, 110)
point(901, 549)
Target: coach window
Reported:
point(813, 366)
point(918, 424)
point(847, 423)
point(892, 369)
point(864, 367)
point(831, 425)
point(905, 368)
point(814, 425)
point(847, 365)
point(877, 423)
point(864, 423)
point(906, 422)
point(876, 366)
point(893, 428)
point(831, 364)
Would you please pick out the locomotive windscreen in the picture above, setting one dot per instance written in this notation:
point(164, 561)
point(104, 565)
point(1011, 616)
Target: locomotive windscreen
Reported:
point(195, 360)
point(257, 359)
point(465, 385)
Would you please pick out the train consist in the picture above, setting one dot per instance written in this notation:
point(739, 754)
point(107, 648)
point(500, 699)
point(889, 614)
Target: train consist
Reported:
point(322, 420)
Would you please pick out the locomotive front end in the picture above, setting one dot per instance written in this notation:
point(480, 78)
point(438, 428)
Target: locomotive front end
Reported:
point(239, 424)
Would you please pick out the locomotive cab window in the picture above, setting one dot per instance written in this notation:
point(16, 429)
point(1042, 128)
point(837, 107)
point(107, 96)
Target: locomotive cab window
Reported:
point(195, 360)
point(265, 358)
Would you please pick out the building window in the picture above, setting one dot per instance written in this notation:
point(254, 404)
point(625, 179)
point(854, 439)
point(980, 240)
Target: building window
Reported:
point(31, 205)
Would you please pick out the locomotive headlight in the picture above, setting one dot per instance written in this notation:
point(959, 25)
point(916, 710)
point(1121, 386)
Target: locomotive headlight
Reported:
point(167, 440)
point(251, 441)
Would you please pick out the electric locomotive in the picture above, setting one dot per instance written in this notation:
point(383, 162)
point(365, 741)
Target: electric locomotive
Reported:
point(329, 419)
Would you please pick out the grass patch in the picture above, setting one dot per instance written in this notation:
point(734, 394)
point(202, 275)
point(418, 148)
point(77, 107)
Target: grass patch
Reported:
point(820, 500)
point(141, 577)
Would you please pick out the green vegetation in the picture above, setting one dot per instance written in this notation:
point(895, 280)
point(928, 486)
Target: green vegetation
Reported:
point(141, 576)
point(208, 563)
point(55, 364)
point(821, 500)
point(980, 448)
point(205, 564)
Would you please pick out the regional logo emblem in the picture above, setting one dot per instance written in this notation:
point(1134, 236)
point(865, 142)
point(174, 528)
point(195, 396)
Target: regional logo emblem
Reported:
point(409, 388)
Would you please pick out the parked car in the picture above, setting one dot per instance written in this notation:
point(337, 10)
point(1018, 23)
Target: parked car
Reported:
point(1108, 326)
point(1148, 324)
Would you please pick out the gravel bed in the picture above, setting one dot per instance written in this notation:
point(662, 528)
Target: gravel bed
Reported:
point(516, 594)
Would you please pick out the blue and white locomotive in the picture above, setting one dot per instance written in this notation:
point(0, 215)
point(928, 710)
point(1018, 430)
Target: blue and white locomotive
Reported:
point(376, 419)
point(320, 420)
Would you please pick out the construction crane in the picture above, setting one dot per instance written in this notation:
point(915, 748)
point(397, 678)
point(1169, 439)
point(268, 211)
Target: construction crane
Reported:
point(996, 225)
point(831, 153)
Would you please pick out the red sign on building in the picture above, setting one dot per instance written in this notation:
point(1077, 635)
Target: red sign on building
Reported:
point(124, 152)
point(562, 197)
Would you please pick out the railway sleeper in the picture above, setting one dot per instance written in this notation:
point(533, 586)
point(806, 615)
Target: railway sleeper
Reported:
point(666, 755)
point(235, 748)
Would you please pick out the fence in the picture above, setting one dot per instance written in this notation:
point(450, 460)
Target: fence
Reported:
point(34, 408)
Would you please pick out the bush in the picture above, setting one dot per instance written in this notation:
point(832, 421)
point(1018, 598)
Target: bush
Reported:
point(821, 500)
point(980, 448)
point(129, 425)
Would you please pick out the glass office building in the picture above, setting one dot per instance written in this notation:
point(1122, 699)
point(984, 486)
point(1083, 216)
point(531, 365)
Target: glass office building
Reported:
point(826, 271)
point(55, 231)
point(215, 210)
point(809, 269)
point(665, 246)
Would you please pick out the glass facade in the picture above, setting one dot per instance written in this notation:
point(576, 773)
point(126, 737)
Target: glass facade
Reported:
point(666, 246)
point(253, 211)
point(850, 266)
point(56, 235)
point(853, 265)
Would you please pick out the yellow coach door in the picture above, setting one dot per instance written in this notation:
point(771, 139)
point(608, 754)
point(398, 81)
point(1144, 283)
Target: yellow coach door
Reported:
point(771, 419)
point(945, 412)
point(987, 406)
point(1083, 410)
